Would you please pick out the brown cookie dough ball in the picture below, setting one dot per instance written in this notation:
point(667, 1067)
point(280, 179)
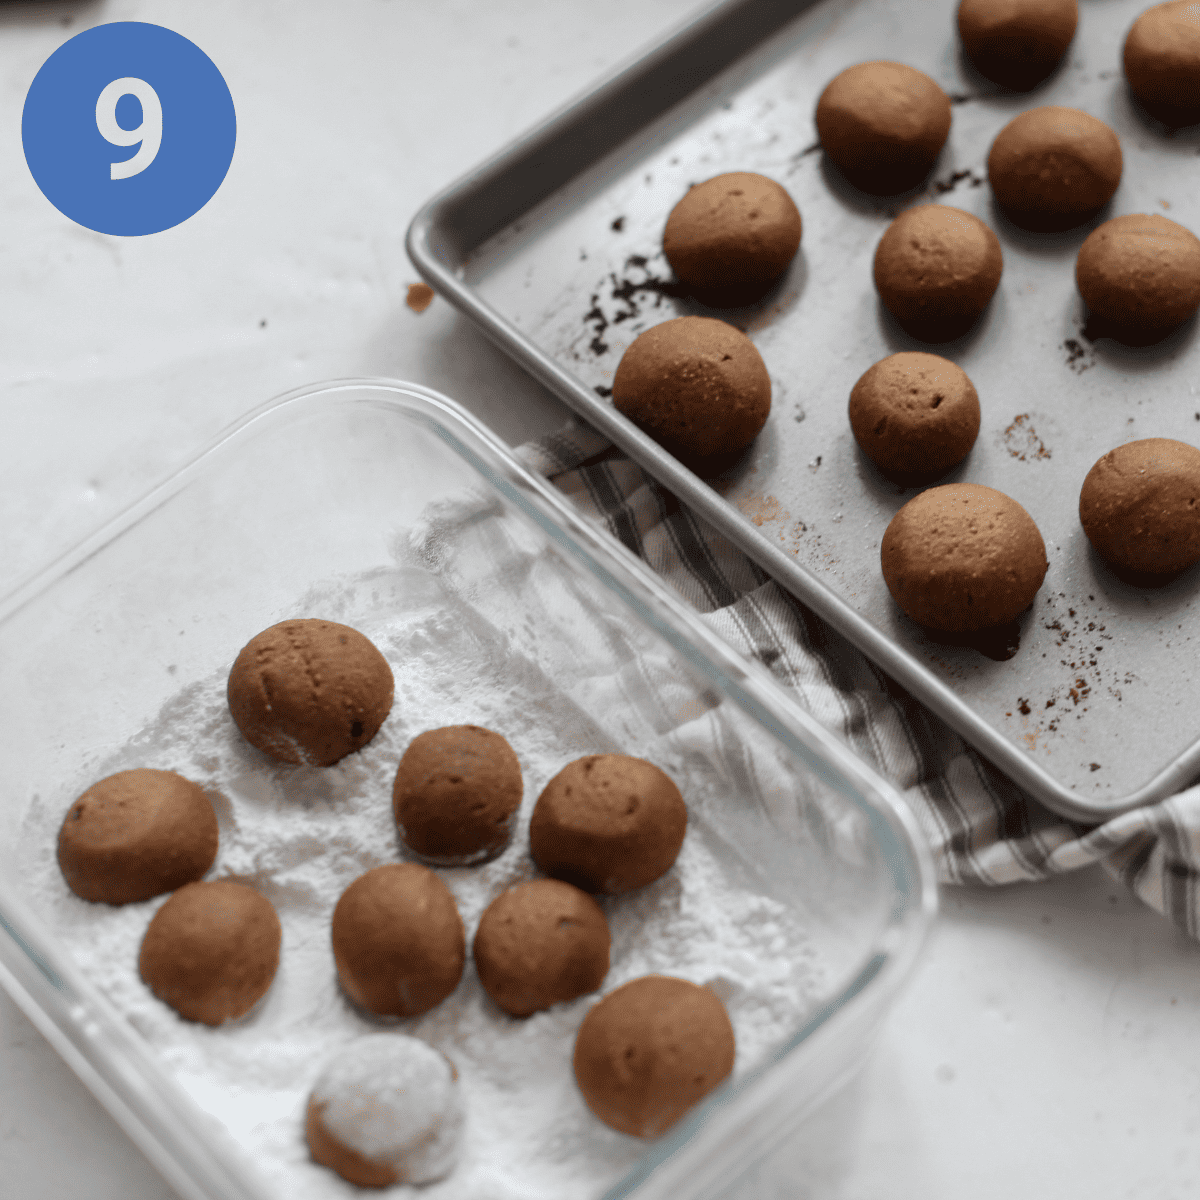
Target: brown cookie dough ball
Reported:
point(883, 124)
point(1053, 168)
point(1162, 61)
point(386, 1109)
point(1016, 43)
point(309, 691)
point(541, 943)
point(915, 415)
point(936, 270)
point(137, 834)
point(398, 940)
point(211, 951)
point(963, 557)
point(608, 823)
point(1140, 506)
point(650, 1051)
point(455, 793)
point(696, 385)
point(737, 230)
point(1140, 274)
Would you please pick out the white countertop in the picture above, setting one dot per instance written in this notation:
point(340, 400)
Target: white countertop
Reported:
point(1048, 1044)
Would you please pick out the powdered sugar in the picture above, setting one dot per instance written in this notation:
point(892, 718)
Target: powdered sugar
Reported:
point(393, 1099)
point(301, 835)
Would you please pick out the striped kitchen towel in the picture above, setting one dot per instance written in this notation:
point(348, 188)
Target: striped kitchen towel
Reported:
point(982, 827)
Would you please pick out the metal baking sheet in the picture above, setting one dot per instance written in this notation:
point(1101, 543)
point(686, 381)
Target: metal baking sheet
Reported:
point(554, 247)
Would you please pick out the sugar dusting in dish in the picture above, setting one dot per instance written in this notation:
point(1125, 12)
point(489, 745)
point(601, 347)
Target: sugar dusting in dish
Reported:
point(301, 835)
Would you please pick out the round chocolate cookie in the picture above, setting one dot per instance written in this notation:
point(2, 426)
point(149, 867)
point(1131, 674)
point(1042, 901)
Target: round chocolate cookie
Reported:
point(650, 1051)
point(309, 691)
point(398, 940)
point(386, 1109)
point(1162, 61)
point(541, 943)
point(883, 124)
point(608, 823)
point(1016, 43)
point(697, 386)
point(1141, 275)
point(137, 834)
point(735, 231)
point(211, 951)
point(936, 270)
point(455, 793)
point(915, 415)
point(963, 557)
point(1053, 168)
point(1140, 506)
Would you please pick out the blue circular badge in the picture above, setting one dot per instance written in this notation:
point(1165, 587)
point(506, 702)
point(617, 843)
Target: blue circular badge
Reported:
point(128, 128)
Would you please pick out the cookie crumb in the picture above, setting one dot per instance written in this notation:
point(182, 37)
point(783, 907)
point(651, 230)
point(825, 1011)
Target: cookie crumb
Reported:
point(420, 297)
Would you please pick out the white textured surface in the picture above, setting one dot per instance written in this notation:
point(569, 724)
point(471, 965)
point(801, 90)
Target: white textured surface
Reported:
point(1048, 1046)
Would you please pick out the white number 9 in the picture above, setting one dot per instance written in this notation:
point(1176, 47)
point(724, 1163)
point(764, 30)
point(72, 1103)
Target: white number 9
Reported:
point(149, 132)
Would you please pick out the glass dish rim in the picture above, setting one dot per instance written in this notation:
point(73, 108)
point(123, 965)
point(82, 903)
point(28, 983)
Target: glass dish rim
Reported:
point(123, 1073)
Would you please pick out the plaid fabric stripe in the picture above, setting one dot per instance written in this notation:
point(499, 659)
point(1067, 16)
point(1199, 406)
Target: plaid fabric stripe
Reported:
point(982, 827)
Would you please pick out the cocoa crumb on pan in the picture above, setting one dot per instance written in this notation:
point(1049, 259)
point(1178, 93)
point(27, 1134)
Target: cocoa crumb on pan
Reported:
point(1079, 356)
point(630, 292)
point(943, 186)
point(1080, 636)
point(1021, 440)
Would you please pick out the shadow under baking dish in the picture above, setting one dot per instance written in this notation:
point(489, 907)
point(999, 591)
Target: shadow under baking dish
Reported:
point(396, 512)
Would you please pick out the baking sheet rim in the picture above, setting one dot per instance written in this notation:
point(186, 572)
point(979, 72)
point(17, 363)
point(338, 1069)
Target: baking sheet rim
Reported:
point(434, 225)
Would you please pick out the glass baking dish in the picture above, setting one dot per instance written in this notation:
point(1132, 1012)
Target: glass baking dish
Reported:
point(389, 481)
